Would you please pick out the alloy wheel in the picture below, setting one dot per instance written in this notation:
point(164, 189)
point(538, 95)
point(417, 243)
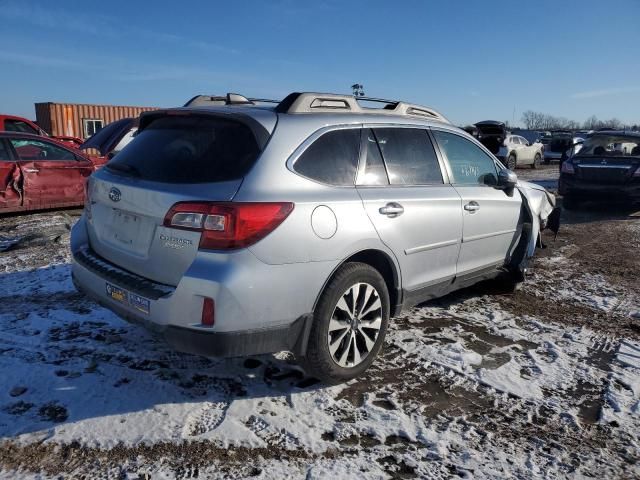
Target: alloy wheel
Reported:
point(355, 325)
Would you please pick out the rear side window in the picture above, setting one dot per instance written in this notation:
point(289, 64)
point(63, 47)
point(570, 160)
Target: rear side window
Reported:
point(409, 156)
point(332, 158)
point(469, 163)
point(191, 149)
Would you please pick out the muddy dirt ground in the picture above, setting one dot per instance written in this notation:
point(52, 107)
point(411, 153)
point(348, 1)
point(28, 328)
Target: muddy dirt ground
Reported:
point(537, 383)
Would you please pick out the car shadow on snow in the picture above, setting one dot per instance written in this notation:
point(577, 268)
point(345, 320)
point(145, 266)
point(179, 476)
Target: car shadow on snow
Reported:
point(593, 211)
point(66, 360)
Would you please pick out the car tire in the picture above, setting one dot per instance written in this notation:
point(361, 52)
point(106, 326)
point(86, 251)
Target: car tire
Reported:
point(343, 342)
point(512, 163)
point(536, 161)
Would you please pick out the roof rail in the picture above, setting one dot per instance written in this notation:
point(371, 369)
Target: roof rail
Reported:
point(309, 102)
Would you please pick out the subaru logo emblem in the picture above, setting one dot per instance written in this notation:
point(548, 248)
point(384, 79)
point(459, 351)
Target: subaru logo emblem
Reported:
point(114, 194)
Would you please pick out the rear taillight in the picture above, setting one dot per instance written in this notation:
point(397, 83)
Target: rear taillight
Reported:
point(228, 225)
point(567, 167)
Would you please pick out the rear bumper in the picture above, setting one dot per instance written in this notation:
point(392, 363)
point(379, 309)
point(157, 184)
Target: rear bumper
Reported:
point(568, 186)
point(259, 308)
point(204, 341)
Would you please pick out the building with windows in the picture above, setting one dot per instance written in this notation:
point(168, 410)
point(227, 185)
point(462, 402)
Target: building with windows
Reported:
point(81, 120)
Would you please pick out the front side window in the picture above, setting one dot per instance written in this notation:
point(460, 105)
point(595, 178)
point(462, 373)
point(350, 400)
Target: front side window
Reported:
point(34, 150)
point(469, 163)
point(409, 156)
point(332, 158)
point(91, 126)
point(19, 126)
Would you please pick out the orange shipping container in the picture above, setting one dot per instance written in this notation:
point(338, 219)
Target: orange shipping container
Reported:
point(80, 120)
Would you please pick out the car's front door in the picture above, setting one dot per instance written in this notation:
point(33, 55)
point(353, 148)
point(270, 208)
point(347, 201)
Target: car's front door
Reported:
point(490, 215)
point(52, 175)
point(528, 151)
point(415, 211)
point(10, 195)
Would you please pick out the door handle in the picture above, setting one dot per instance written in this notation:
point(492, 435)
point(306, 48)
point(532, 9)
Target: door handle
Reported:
point(472, 207)
point(392, 209)
point(31, 170)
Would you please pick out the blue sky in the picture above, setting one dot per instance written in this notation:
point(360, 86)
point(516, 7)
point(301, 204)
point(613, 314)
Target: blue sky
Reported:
point(472, 60)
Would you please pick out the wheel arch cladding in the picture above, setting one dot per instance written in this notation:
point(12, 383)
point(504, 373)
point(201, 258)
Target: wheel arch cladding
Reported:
point(384, 265)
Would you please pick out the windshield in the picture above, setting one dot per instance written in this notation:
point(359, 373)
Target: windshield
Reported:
point(610, 146)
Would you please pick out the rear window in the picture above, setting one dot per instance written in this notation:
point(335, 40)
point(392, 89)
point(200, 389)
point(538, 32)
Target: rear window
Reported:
point(19, 126)
point(610, 146)
point(191, 149)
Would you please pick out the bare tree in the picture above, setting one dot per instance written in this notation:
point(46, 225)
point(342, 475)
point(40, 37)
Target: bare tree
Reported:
point(591, 123)
point(529, 119)
point(542, 121)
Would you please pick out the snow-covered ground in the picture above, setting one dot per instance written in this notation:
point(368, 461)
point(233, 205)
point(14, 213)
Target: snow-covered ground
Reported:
point(541, 383)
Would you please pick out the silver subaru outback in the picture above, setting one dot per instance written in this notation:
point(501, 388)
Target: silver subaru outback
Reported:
point(237, 227)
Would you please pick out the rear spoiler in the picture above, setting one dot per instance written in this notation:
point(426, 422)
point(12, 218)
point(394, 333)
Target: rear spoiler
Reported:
point(259, 131)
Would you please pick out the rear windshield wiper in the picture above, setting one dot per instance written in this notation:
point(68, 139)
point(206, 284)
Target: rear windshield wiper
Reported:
point(124, 168)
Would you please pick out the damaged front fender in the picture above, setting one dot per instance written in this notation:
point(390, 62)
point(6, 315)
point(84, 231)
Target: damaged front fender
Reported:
point(542, 210)
point(10, 185)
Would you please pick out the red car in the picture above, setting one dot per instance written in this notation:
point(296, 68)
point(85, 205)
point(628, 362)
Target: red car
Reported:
point(11, 123)
point(38, 173)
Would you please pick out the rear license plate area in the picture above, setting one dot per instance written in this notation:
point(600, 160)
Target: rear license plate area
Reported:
point(128, 299)
point(127, 227)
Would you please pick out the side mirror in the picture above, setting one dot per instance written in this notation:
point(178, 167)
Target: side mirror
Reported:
point(507, 179)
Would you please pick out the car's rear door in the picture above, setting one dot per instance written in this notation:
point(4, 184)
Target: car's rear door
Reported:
point(415, 211)
point(10, 196)
point(490, 216)
point(52, 176)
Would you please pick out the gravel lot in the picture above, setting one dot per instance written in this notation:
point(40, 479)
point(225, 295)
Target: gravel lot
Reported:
point(543, 382)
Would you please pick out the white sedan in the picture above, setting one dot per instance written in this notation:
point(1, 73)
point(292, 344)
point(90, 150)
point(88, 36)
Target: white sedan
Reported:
point(516, 151)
